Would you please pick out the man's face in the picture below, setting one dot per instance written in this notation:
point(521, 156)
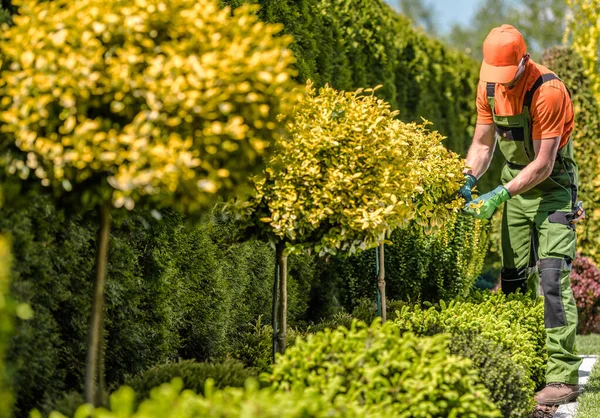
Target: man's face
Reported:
point(520, 71)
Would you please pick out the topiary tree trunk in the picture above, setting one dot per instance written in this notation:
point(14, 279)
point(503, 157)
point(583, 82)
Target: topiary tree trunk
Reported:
point(94, 362)
point(381, 281)
point(279, 320)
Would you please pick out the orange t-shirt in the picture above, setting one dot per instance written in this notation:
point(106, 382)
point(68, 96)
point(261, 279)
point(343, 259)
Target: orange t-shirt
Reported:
point(551, 108)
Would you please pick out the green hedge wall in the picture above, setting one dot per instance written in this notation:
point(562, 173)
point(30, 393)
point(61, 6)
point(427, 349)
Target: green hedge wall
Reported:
point(173, 291)
point(363, 43)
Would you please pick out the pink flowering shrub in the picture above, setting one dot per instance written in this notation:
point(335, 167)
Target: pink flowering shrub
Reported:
point(585, 281)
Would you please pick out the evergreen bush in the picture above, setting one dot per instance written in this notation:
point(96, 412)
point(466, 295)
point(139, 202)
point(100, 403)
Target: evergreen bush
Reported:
point(515, 322)
point(194, 376)
point(376, 366)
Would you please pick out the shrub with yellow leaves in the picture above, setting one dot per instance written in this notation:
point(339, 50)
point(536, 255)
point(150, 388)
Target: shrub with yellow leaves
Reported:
point(175, 99)
point(583, 30)
point(348, 174)
point(110, 102)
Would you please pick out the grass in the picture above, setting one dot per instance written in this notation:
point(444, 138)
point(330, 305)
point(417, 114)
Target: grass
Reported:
point(588, 344)
point(589, 403)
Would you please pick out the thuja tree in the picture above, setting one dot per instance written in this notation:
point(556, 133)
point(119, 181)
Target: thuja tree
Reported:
point(347, 175)
point(106, 104)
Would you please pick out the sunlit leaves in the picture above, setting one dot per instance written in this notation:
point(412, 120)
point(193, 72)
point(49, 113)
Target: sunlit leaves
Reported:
point(350, 173)
point(170, 99)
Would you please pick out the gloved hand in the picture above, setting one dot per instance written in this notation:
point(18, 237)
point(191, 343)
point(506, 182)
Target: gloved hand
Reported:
point(484, 206)
point(465, 191)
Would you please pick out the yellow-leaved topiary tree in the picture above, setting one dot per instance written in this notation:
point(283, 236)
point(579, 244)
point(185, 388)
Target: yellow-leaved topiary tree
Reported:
point(107, 103)
point(348, 174)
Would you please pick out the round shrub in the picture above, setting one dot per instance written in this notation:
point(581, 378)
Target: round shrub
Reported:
point(585, 281)
point(143, 99)
point(193, 375)
point(506, 380)
point(514, 322)
point(383, 370)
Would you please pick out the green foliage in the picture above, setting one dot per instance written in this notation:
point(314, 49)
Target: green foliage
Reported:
point(124, 102)
point(174, 291)
point(568, 65)
point(349, 174)
point(6, 327)
point(588, 404)
point(250, 402)
point(504, 378)
point(419, 267)
point(514, 322)
point(400, 375)
point(194, 376)
point(584, 32)
point(356, 43)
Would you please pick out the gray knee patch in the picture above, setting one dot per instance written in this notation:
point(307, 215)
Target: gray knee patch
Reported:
point(551, 270)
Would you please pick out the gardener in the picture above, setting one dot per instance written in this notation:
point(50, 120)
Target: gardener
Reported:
point(527, 109)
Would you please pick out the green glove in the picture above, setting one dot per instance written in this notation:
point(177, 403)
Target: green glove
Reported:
point(484, 206)
point(465, 191)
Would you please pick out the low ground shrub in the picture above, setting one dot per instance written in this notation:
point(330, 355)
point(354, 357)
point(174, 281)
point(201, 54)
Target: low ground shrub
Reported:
point(168, 400)
point(376, 366)
point(515, 322)
point(497, 371)
point(193, 375)
point(585, 281)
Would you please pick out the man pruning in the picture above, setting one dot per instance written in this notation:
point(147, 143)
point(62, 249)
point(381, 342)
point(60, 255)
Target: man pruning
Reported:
point(526, 109)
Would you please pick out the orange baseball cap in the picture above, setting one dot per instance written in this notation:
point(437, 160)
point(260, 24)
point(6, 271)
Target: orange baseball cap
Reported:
point(503, 49)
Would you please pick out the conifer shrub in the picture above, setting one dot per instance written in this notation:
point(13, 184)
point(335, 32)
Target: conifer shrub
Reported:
point(385, 371)
point(194, 376)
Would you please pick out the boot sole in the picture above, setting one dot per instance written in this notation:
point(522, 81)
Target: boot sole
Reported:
point(560, 401)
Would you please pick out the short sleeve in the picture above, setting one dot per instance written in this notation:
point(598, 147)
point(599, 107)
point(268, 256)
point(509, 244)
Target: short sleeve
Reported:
point(484, 111)
point(549, 112)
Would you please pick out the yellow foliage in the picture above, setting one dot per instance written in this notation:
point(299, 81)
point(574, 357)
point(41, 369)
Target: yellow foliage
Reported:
point(584, 31)
point(174, 99)
point(350, 173)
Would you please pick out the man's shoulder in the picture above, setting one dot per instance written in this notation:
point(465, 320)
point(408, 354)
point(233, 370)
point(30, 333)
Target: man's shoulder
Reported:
point(555, 87)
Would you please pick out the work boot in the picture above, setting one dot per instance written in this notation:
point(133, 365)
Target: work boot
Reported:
point(557, 394)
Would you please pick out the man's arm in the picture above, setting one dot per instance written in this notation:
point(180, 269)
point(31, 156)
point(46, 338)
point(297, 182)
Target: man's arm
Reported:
point(481, 150)
point(538, 170)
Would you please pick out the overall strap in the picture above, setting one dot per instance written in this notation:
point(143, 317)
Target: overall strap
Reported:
point(491, 90)
point(541, 80)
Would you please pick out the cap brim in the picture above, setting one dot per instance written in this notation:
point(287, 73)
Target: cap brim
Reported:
point(492, 74)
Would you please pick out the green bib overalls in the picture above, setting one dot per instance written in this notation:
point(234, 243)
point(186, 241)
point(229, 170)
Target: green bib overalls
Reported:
point(536, 227)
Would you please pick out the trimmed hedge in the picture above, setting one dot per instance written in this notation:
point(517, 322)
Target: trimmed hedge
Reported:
point(567, 64)
point(515, 322)
point(194, 376)
point(168, 400)
point(359, 43)
point(387, 372)
point(419, 267)
point(175, 291)
point(504, 378)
